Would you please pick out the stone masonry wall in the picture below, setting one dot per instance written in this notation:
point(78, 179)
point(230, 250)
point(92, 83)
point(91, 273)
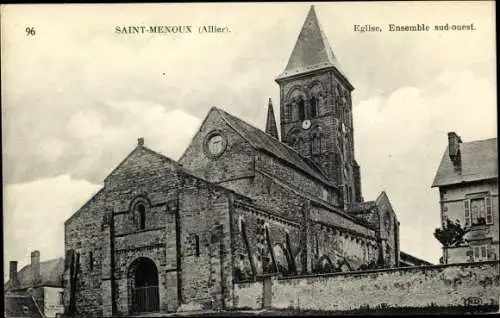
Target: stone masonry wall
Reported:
point(277, 197)
point(207, 269)
point(323, 215)
point(237, 161)
point(295, 178)
point(82, 234)
point(339, 246)
point(168, 193)
point(255, 220)
point(147, 176)
point(248, 295)
point(417, 287)
point(335, 107)
point(387, 223)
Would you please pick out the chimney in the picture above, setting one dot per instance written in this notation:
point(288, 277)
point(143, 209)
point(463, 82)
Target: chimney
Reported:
point(140, 141)
point(35, 267)
point(454, 142)
point(13, 273)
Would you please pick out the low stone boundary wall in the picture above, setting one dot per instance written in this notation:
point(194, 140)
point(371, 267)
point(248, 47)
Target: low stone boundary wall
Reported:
point(470, 286)
point(249, 295)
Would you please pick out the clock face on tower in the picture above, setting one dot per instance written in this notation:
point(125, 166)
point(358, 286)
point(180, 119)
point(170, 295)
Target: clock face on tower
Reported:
point(306, 124)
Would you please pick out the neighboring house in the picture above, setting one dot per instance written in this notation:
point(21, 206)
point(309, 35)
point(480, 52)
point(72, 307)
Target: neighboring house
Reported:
point(467, 179)
point(21, 306)
point(407, 260)
point(40, 280)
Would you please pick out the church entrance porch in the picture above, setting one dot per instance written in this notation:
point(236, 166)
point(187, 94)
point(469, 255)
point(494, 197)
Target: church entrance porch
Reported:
point(143, 286)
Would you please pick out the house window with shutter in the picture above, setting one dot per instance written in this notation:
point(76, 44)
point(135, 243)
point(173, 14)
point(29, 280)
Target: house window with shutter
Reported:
point(489, 212)
point(467, 213)
point(480, 253)
point(478, 210)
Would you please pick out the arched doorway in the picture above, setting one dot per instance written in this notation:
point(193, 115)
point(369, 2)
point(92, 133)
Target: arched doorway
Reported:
point(143, 286)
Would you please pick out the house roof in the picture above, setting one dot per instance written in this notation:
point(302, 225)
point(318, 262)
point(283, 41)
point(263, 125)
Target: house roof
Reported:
point(260, 140)
point(412, 260)
point(312, 50)
point(51, 274)
point(479, 161)
point(21, 306)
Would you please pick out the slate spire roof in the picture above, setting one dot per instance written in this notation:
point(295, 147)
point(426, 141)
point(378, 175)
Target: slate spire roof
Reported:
point(271, 127)
point(312, 50)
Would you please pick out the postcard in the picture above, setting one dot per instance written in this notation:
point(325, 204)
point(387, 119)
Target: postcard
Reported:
point(249, 158)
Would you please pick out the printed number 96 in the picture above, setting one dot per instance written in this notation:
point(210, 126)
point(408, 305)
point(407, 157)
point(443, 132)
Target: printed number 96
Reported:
point(30, 31)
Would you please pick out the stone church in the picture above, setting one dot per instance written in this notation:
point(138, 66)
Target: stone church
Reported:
point(240, 204)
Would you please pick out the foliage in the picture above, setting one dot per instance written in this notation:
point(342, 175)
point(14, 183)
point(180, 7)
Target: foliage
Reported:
point(452, 233)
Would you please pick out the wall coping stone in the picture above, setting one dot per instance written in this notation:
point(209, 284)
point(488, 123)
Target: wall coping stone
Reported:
point(383, 270)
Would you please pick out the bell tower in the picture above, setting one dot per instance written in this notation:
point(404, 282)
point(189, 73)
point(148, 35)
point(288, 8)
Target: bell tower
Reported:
point(316, 109)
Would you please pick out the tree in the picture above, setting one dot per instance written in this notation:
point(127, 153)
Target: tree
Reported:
point(452, 233)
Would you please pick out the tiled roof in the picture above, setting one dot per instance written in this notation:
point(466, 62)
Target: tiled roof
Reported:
point(21, 306)
point(362, 207)
point(366, 211)
point(412, 260)
point(312, 50)
point(51, 273)
point(479, 161)
point(260, 140)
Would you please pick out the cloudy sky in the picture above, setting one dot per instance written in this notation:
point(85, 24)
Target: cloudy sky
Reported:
point(76, 96)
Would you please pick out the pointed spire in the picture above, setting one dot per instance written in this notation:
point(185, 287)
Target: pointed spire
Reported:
point(271, 127)
point(312, 50)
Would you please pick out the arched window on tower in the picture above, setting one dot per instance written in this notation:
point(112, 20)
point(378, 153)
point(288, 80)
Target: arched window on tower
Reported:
point(301, 108)
point(302, 147)
point(293, 141)
point(316, 143)
point(314, 107)
point(289, 111)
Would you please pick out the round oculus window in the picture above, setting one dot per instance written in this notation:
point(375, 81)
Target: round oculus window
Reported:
point(215, 144)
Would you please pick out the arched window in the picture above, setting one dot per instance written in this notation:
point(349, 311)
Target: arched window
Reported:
point(314, 107)
point(294, 142)
point(302, 147)
point(316, 245)
point(141, 212)
point(288, 112)
point(197, 245)
point(91, 261)
point(316, 144)
point(301, 108)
